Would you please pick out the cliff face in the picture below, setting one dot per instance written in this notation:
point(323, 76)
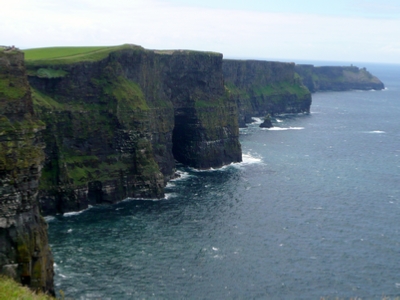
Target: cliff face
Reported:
point(116, 125)
point(24, 251)
point(337, 78)
point(206, 132)
point(263, 87)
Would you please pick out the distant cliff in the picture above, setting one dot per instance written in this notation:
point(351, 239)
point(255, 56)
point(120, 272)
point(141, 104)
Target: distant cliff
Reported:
point(118, 118)
point(337, 78)
point(263, 87)
point(24, 250)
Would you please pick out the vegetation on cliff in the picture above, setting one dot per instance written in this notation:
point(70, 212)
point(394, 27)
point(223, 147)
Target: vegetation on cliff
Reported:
point(261, 88)
point(118, 117)
point(9, 289)
point(94, 144)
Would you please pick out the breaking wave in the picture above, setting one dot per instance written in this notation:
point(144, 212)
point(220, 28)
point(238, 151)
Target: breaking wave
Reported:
point(283, 128)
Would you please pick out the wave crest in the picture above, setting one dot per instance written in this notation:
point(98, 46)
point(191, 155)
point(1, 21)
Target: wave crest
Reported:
point(283, 128)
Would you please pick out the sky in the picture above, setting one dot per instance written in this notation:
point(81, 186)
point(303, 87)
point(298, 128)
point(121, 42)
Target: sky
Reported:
point(285, 30)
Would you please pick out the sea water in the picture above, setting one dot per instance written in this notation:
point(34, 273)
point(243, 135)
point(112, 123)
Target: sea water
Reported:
point(312, 211)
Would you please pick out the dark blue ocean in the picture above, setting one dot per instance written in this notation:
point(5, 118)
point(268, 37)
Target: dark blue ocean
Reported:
point(313, 211)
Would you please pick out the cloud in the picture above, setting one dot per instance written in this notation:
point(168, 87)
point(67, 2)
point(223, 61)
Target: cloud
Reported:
point(161, 25)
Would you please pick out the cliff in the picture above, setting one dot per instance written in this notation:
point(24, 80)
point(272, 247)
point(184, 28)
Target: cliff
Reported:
point(101, 124)
point(263, 87)
point(118, 117)
point(24, 251)
point(337, 78)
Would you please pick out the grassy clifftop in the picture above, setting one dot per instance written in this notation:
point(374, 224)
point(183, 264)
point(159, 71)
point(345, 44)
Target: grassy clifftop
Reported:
point(68, 55)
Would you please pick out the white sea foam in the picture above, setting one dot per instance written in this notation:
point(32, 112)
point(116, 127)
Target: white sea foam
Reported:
point(279, 121)
point(170, 185)
point(49, 218)
point(283, 128)
point(257, 120)
point(214, 170)
point(143, 199)
point(75, 213)
point(376, 131)
point(72, 213)
point(205, 170)
point(317, 208)
point(170, 195)
point(182, 175)
point(249, 159)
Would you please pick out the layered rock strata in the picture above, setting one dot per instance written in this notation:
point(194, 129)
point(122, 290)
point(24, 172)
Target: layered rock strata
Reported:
point(24, 250)
point(263, 87)
point(116, 125)
point(336, 78)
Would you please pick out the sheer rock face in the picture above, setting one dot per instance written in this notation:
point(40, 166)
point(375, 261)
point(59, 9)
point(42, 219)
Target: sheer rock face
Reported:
point(24, 249)
point(116, 126)
point(336, 78)
point(264, 87)
point(206, 133)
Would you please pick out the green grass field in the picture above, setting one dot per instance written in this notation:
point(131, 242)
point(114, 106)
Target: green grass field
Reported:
point(66, 55)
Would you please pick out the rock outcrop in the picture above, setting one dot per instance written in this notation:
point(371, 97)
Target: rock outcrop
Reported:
point(267, 123)
point(335, 78)
point(263, 87)
point(117, 123)
point(24, 250)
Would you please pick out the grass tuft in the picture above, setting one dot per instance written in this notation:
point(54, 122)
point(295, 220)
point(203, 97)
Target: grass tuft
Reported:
point(9, 289)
